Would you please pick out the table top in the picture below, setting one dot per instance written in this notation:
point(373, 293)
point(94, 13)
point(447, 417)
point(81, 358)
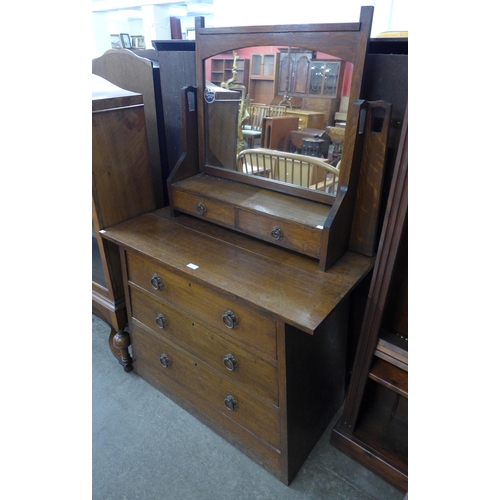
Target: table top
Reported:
point(286, 284)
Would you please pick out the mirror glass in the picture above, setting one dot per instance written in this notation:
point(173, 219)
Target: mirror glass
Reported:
point(283, 99)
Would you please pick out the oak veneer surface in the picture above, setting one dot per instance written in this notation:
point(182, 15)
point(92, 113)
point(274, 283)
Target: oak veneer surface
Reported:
point(261, 200)
point(284, 285)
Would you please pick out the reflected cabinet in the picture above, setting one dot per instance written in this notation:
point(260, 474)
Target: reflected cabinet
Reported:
point(262, 83)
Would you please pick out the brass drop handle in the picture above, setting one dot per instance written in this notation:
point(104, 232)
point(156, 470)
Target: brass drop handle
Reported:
point(161, 321)
point(156, 282)
point(165, 360)
point(201, 209)
point(230, 362)
point(231, 403)
point(276, 233)
point(229, 319)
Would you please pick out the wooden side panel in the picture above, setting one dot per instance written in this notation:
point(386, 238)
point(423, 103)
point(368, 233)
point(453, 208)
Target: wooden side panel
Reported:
point(316, 369)
point(131, 72)
point(365, 227)
point(122, 186)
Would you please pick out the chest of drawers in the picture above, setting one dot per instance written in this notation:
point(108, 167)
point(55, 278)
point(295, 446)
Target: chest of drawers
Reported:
point(248, 337)
point(308, 119)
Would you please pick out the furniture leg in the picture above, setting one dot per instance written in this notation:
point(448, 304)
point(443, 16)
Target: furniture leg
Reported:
point(119, 342)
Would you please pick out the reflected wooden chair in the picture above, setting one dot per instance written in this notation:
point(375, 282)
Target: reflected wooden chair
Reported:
point(252, 128)
point(306, 171)
point(276, 110)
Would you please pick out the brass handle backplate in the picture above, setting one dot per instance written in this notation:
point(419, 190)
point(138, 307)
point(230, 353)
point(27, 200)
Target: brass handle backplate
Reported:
point(276, 233)
point(231, 403)
point(161, 321)
point(201, 209)
point(230, 362)
point(165, 360)
point(229, 319)
point(156, 282)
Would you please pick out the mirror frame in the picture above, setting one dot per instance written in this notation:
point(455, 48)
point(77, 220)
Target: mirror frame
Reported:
point(348, 41)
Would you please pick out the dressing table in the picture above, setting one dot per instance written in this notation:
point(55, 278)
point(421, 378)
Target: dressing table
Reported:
point(238, 292)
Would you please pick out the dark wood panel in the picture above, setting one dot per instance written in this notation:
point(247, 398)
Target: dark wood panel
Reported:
point(316, 368)
point(177, 70)
point(390, 376)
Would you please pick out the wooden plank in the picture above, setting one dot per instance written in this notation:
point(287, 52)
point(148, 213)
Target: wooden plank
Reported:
point(392, 360)
point(389, 376)
point(394, 347)
point(371, 458)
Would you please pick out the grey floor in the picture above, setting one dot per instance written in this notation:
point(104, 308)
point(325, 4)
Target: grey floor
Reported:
point(145, 447)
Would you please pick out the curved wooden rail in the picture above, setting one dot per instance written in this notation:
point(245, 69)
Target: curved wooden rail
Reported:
point(294, 168)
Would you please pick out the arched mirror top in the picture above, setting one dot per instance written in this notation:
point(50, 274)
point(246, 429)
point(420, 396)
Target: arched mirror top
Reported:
point(330, 58)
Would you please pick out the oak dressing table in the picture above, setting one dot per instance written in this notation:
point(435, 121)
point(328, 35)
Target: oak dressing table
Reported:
point(238, 292)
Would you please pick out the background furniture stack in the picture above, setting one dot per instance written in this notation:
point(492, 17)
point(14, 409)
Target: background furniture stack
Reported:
point(122, 188)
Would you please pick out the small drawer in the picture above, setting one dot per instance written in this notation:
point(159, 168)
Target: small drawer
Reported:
point(225, 314)
point(234, 362)
point(202, 207)
point(173, 366)
point(294, 236)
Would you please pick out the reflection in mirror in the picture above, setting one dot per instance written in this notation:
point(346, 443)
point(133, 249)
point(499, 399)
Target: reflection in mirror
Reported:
point(289, 100)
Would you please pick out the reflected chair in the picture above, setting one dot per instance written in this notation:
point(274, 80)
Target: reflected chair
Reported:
point(276, 110)
point(252, 128)
point(306, 171)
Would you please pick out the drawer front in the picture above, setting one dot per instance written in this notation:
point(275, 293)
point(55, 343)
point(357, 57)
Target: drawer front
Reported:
point(168, 363)
point(203, 207)
point(232, 361)
point(298, 237)
point(249, 326)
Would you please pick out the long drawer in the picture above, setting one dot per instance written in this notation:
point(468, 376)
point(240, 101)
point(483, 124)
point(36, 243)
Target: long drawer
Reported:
point(235, 319)
point(234, 362)
point(167, 362)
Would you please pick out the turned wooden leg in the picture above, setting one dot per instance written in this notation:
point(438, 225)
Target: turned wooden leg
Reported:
point(119, 342)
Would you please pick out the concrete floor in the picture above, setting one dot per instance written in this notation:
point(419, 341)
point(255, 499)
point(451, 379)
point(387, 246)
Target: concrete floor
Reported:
point(145, 447)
